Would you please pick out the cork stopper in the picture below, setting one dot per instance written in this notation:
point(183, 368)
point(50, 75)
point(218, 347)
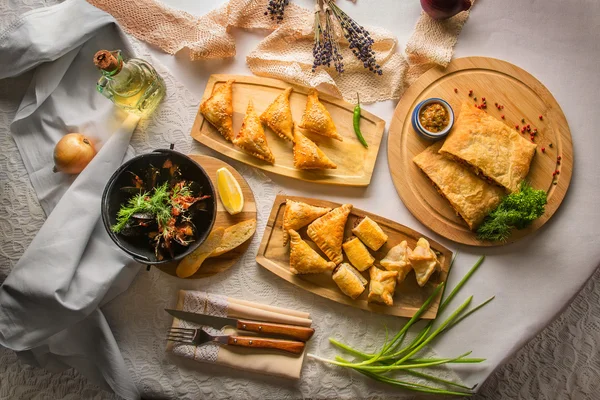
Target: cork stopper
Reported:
point(106, 61)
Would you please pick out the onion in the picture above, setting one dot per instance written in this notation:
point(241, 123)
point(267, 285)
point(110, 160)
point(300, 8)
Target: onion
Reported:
point(442, 9)
point(73, 153)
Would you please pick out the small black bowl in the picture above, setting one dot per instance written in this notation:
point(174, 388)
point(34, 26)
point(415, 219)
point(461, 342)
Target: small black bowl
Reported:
point(112, 199)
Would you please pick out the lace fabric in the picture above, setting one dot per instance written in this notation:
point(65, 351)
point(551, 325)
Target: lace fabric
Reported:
point(287, 53)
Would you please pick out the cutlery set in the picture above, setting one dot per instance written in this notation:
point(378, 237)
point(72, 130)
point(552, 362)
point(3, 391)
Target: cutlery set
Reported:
point(199, 337)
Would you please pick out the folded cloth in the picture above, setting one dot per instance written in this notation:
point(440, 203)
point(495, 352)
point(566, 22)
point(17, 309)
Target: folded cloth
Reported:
point(49, 303)
point(271, 363)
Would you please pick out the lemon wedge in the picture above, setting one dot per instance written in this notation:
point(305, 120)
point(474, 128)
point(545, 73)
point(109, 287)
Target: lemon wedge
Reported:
point(229, 191)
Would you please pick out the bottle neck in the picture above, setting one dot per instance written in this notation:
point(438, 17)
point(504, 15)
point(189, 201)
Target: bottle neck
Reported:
point(110, 63)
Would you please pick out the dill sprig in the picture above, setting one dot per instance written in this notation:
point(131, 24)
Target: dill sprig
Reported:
point(158, 204)
point(517, 210)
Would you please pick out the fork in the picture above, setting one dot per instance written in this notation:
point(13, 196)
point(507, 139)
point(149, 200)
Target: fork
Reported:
point(198, 337)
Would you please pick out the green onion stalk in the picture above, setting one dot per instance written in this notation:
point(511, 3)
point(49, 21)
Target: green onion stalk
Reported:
point(395, 356)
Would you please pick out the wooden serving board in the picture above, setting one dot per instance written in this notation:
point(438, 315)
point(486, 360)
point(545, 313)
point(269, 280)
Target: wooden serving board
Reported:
point(522, 95)
point(354, 163)
point(409, 297)
point(218, 264)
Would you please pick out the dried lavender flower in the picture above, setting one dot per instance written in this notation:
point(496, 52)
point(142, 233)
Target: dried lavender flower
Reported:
point(276, 8)
point(326, 49)
point(359, 39)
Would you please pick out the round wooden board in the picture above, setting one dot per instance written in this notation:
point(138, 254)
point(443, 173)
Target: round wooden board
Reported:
point(218, 264)
point(498, 81)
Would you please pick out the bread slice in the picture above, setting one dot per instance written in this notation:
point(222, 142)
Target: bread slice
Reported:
point(234, 236)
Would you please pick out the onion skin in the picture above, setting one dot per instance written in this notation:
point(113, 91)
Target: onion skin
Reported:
point(73, 153)
point(443, 9)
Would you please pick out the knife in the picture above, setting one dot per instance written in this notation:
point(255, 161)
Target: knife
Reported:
point(291, 331)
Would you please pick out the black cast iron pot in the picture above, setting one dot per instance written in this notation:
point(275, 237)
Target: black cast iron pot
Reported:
point(112, 199)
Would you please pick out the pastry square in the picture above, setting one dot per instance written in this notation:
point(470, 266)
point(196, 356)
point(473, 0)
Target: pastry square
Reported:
point(370, 233)
point(424, 261)
point(358, 254)
point(471, 197)
point(489, 147)
point(349, 280)
point(397, 260)
point(382, 286)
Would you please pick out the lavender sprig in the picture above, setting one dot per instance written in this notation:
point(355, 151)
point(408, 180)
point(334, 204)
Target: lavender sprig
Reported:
point(276, 8)
point(359, 39)
point(326, 49)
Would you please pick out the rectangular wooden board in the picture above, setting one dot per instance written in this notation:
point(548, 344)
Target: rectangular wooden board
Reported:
point(409, 296)
point(355, 163)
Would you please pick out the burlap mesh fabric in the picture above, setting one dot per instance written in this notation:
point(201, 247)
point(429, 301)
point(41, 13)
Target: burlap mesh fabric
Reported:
point(286, 53)
point(432, 43)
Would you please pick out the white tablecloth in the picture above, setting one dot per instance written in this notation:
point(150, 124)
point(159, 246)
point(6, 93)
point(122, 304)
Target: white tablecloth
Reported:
point(557, 44)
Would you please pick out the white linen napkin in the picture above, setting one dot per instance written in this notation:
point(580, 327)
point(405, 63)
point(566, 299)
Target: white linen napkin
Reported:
point(49, 303)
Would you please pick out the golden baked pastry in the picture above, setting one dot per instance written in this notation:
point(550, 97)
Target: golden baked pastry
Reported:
point(370, 233)
point(307, 154)
point(251, 137)
point(328, 232)
point(489, 147)
point(397, 260)
point(298, 215)
point(317, 119)
point(423, 261)
point(234, 236)
point(471, 197)
point(349, 280)
point(382, 286)
point(303, 259)
point(218, 109)
point(358, 254)
point(278, 116)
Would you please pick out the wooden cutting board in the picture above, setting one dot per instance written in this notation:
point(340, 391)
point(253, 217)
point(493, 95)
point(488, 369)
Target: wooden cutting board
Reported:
point(409, 297)
point(218, 264)
point(522, 95)
point(354, 163)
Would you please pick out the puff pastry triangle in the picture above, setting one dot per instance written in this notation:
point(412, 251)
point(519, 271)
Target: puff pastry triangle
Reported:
point(307, 155)
point(278, 116)
point(218, 109)
point(303, 259)
point(298, 215)
point(251, 137)
point(328, 232)
point(317, 119)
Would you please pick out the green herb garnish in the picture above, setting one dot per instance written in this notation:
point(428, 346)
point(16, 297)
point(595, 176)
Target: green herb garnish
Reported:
point(517, 210)
point(159, 205)
point(392, 358)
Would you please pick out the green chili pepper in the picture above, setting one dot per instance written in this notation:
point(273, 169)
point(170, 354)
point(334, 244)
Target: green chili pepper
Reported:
point(356, 121)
